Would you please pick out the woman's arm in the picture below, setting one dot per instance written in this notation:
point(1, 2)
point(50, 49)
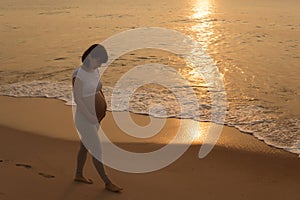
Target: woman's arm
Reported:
point(80, 104)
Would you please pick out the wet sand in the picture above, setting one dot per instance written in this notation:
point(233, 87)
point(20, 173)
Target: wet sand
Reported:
point(39, 142)
point(38, 159)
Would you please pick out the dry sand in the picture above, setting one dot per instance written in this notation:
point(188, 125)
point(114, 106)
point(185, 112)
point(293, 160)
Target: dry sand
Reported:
point(38, 143)
point(36, 166)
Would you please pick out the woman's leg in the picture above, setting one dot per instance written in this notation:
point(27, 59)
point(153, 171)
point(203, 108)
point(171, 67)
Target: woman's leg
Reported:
point(101, 171)
point(89, 135)
point(81, 158)
point(108, 184)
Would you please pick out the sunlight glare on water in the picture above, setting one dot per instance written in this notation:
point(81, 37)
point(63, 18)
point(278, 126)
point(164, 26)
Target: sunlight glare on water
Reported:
point(201, 9)
point(203, 26)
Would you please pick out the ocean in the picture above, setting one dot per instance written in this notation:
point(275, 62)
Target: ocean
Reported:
point(255, 47)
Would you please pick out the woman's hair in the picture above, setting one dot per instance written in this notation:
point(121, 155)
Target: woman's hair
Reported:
point(96, 51)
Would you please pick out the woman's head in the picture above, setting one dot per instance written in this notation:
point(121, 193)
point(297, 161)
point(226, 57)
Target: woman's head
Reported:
point(94, 52)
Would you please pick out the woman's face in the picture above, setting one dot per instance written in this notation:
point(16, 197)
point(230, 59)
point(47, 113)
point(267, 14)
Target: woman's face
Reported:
point(94, 62)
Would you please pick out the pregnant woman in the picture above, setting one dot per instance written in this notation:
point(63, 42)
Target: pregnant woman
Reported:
point(90, 110)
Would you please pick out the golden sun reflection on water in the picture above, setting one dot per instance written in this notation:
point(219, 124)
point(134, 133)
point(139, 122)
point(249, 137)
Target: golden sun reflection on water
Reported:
point(201, 9)
point(200, 132)
point(202, 32)
point(202, 29)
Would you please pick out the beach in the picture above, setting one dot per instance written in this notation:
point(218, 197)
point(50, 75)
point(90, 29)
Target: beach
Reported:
point(252, 47)
point(37, 165)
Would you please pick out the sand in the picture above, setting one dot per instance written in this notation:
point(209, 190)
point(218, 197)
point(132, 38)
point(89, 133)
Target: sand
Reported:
point(39, 143)
point(38, 159)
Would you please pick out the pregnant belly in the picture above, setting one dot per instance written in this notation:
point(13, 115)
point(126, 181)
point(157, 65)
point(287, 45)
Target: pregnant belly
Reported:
point(100, 106)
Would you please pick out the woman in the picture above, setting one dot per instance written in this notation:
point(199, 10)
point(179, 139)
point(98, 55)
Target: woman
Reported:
point(90, 110)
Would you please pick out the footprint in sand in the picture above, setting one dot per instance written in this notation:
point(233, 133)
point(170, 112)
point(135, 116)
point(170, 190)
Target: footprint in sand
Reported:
point(30, 167)
point(46, 175)
point(60, 58)
point(4, 160)
point(24, 165)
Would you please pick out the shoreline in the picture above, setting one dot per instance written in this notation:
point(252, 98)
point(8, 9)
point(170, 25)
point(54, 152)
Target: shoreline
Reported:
point(35, 166)
point(252, 46)
point(62, 126)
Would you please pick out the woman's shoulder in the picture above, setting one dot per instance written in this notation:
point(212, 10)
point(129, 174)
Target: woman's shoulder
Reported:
point(75, 72)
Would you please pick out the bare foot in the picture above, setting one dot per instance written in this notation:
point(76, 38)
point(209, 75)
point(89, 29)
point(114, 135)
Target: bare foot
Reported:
point(113, 188)
point(83, 180)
